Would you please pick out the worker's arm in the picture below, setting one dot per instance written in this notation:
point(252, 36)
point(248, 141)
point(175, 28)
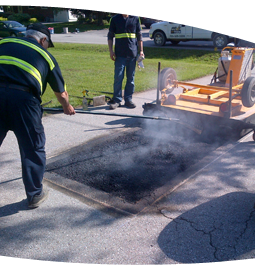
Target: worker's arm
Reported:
point(139, 37)
point(110, 37)
point(63, 99)
point(140, 47)
point(112, 54)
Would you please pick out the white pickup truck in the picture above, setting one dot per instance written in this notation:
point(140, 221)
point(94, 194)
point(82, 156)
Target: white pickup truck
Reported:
point(167, 31)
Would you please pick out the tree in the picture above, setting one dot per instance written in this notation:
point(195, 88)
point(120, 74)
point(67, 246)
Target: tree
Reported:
point(88, 10)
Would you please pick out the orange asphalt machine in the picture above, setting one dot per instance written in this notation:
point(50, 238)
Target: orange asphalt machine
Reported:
point(225, 104)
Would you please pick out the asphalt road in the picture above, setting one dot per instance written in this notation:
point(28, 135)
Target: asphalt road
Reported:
point(207, 217)
point(100, 37)
point(131, 166)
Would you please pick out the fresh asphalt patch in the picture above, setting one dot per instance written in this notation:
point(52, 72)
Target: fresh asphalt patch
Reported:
point(125, 172)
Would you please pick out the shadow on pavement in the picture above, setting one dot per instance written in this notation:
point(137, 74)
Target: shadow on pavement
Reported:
point(219, 230)
point(13, 208)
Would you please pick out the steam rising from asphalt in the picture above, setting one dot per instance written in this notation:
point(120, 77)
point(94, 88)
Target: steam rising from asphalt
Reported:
point(161, 144)
point(158, 142)
point(135, 163)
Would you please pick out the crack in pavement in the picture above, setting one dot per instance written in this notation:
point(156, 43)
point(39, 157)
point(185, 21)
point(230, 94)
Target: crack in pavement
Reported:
point(225, 237)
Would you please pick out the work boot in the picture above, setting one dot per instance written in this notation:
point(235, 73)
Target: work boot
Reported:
point(113, 105)
point(38, 199)
point(130, 104)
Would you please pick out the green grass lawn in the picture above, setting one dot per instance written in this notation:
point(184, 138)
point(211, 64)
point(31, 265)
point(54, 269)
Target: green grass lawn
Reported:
point(89, 67)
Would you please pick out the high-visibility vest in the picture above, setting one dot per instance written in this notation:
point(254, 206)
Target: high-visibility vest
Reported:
point(25, 62)
point(126, 31)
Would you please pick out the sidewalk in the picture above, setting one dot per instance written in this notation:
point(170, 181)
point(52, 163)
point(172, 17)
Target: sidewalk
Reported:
point(208, 218)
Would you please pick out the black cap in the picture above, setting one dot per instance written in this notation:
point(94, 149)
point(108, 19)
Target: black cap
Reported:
point(41, 28)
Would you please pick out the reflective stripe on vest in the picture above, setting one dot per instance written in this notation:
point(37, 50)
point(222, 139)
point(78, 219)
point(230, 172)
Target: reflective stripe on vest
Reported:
point(8, 60)
point(32, 46)
point(125, 35)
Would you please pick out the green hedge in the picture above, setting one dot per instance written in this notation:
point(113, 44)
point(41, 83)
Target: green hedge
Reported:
point(20, 17)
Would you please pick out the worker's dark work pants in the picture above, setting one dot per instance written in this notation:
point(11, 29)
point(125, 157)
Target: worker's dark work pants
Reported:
point(122, 64)
point(22, 113)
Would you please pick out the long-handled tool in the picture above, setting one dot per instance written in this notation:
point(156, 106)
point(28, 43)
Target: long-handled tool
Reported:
point(198, 131)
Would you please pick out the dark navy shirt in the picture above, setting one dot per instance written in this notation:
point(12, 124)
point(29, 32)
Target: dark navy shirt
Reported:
point(126, 32)
point(25, 62)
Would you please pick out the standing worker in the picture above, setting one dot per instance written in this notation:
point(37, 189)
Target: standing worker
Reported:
point(127, 32)
point(25, 69)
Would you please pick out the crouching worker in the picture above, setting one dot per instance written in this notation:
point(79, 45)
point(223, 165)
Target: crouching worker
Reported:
point(25, 69)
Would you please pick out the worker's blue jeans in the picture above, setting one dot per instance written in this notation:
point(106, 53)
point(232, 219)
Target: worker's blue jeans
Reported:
point(22, 113)
point(123, 64)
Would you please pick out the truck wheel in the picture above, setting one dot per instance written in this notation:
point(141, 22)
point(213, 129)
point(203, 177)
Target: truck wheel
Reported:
point(248, 92)
point(220, 41)
point(159, 38)
point(167, 76)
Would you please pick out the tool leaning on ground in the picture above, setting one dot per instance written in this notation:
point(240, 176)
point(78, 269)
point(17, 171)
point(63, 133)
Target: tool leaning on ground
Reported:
point(196, 130)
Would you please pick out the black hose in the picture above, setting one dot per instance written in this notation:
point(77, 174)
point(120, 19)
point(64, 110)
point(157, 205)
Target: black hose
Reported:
point(113, 114)
point(198, 131)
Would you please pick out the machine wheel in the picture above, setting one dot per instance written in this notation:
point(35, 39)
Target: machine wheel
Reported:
point(248, 92)
point(159, 38)
point(220, 41)
point(167, 76)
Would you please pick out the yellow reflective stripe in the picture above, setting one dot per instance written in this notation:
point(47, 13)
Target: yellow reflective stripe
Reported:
point(8, 60)
point(31, 45)
point(125, 35)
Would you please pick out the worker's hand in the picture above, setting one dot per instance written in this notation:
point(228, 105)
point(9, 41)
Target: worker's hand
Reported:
point(112, 56)
point(69, 110)
point(64, 101)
